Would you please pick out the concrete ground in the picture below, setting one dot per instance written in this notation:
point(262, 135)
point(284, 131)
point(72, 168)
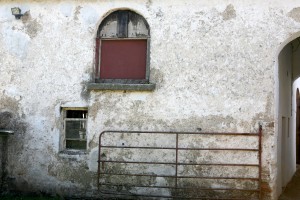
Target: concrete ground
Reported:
point(292, 190)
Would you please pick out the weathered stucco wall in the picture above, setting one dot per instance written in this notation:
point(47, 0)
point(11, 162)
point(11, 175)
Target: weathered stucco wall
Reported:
point(213, 62)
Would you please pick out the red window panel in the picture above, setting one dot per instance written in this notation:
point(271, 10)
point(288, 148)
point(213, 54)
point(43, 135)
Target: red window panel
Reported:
point(123, 59)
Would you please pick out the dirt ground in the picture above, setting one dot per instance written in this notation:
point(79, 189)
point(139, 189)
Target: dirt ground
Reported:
point(292, 190)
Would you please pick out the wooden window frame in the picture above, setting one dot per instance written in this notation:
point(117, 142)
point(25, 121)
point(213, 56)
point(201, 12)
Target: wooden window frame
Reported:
point(121, 33)
point(65, 120)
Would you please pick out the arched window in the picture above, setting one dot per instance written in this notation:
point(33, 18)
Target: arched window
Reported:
point(122, 49)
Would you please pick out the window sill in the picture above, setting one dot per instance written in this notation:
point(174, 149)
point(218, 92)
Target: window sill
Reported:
point(72, 155)
point(72, 152)
point(121, 86)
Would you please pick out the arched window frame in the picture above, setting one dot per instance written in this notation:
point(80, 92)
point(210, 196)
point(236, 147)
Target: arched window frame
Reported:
point(118, 26)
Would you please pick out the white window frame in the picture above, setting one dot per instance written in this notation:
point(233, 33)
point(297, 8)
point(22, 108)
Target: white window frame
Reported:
point(64, 138)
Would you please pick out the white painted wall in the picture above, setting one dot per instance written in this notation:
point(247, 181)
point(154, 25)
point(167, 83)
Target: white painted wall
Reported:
point(285, 101)
point(212, 62)
point(296, 85)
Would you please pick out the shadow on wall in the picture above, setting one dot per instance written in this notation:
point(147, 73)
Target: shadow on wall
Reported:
point(6, 120)
point(10, 121)
point(9, 124)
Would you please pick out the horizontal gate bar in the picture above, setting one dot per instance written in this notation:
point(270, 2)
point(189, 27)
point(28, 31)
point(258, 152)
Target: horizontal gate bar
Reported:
point(175, 197)
point(173, 148)
point(182, 133)
point(165, 176)
point(169, 163)
point(183, 188)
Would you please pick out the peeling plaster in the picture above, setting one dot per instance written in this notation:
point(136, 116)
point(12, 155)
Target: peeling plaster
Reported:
point(32, 27)
point(77, 12)
point(229, 13)
point(295, 14)
point(149, 3)
point(16, 42)
point(66, 9)
point(90, 16)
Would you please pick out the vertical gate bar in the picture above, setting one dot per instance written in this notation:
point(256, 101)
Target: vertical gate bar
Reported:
point(176, 166)
point(260, 158)
point(99, 158)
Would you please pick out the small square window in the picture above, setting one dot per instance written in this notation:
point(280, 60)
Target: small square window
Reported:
point(75, 124)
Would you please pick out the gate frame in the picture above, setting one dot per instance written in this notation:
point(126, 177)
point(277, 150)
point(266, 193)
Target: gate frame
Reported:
point(101, 162)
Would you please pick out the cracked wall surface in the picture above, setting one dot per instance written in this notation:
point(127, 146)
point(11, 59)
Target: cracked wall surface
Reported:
point(213, 63)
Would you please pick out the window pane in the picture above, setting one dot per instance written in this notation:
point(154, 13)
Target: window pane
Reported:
point(75, 129)
point(123, 59)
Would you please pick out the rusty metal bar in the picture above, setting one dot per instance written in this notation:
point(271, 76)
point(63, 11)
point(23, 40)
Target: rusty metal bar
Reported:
point(172, 163)
point(185, 188)
point(99, 158)
point(260, 160)
point(176, 166)
point(101, 161)
point(174, 197)
point(172, 148)
point(166, 176)
point(183, 133)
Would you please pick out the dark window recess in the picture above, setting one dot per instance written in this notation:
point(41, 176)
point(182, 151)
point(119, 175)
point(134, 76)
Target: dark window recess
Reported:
point(122, 45)
point(123, 24)
point(75, 129)
point(76, 114)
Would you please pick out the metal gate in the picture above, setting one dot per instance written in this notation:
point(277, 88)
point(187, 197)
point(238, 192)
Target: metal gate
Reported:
point(180, 165)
